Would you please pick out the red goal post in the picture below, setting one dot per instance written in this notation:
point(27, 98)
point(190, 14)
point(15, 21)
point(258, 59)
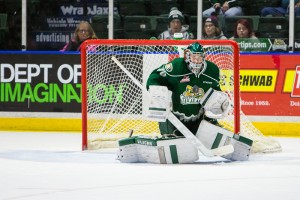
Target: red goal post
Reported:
point(96, 69)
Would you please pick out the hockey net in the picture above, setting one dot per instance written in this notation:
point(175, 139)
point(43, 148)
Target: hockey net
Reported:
point(113, 105)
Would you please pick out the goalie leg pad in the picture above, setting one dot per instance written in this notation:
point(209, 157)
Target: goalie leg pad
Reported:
point(213, 136)
point(127, 151)
point(242, 147)
point(157, 150)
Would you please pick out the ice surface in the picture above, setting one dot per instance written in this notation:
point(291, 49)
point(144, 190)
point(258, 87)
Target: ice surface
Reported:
point(44, 166)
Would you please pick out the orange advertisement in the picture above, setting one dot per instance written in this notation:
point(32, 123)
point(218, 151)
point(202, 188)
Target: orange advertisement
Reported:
point(270, 84)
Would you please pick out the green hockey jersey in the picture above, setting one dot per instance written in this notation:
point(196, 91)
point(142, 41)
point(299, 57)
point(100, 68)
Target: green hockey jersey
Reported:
point(187, 88)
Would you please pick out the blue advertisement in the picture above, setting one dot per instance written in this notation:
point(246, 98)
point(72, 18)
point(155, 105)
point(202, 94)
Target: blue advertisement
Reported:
point(57, 21)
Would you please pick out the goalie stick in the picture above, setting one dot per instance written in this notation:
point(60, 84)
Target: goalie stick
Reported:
point(220, 151)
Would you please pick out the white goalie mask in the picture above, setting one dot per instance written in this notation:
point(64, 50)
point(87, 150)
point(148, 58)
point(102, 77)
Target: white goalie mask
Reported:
point(194, 56)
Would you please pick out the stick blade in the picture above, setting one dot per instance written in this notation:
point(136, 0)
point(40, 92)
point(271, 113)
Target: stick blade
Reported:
point(223, 150)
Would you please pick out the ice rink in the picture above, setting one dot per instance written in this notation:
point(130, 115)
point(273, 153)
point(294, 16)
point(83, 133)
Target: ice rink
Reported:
point(43, 166)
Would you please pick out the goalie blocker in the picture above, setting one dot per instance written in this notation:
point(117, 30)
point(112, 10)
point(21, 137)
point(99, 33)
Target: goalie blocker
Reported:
point(181, 150)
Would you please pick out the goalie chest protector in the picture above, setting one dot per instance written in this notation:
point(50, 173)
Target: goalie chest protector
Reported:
point(187, 89)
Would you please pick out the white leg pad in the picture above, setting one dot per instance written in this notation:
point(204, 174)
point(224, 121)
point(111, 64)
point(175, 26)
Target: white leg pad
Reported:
point(157, 150)
point(127, 153)
point(213, 136)
point(242, 147)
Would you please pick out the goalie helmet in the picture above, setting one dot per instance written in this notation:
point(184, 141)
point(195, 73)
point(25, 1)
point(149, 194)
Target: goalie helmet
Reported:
point(194, 56)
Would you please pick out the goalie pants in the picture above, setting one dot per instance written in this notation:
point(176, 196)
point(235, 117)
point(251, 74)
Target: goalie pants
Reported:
point(167, 128)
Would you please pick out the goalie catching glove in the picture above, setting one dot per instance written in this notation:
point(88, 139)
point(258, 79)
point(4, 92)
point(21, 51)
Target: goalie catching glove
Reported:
point(216, 104)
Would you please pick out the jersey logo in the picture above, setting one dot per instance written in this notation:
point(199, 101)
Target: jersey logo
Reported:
point(185, 79)
point(191, 95)
point(169, 67)
point(163, 74)
point(207, 82)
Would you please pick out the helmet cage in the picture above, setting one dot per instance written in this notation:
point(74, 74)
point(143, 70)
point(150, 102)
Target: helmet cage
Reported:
point(194, 67)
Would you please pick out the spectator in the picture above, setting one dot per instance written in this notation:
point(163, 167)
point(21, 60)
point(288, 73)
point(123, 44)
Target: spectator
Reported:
point(282, 10)
point(82, 32)
point(176, 26)
point(297, 8)
point(225, 8)
point(243, 30)
point(212, 30)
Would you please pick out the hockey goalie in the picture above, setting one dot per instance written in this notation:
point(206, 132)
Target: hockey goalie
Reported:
point(189, 88)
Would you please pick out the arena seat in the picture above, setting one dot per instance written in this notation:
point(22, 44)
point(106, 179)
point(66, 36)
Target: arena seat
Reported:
point(134, 7)
point(297, 27)
point(161, 24)
point(100, 26)
point(139, 27)
point(273, 27)
point(255, 6)
point(160, 7)
point(190, 7)
point(193, 24)
point(3, 26)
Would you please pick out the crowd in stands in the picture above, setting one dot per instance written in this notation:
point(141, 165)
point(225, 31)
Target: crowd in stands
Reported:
point(281, 10)
point(220, 11)
point(215, 15)
point(182, 17)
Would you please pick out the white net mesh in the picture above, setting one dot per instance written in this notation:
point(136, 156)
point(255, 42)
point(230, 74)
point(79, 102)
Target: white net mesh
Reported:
point(114, 104)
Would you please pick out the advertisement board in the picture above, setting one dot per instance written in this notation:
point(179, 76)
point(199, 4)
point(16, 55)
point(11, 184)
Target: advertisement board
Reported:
point(263, 45)
point(55, 25)
point(270, 84)
point(40, 82)
point(51, 82)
